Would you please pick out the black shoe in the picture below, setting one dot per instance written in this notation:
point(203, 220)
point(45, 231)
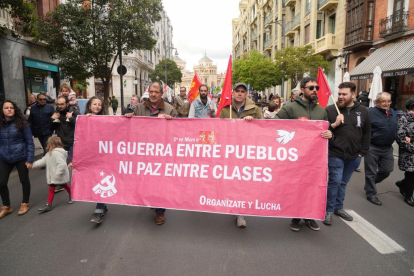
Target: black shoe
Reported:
point(295, 225)
point(46, 208)
point(328, 218)
point(341, 213)
point(374, 200)
point(409, 201)
point(399, 185)
point(312, 224)
point(97, 218)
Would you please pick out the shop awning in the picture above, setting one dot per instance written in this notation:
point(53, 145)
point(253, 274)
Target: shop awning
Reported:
point(394, 60)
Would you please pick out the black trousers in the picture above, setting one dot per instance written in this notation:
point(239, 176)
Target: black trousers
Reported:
point(408, 184)
point(43, 141)
point(5, 170)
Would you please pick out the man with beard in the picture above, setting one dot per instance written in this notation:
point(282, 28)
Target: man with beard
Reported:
point(65, 128)
point(305, 108)
point(182, 104)
point(352, 136)
point(379, 161)
point(203, 106)
point(155, 106)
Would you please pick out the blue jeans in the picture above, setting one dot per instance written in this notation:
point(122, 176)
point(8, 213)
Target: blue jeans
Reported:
point(100, 208)
point(69, 149)
point(340, 172)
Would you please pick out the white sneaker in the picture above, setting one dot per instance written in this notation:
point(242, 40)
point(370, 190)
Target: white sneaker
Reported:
point(241, 222)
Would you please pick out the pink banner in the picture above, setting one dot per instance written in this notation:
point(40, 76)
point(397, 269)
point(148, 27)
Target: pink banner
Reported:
point(274, 168)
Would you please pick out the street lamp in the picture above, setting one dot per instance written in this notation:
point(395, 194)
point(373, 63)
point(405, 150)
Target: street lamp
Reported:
point(280, 23)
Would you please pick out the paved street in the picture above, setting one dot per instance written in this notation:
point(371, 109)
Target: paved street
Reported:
point(64, 242)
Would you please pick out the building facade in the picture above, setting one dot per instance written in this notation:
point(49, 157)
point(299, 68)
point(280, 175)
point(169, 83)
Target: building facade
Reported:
point(25, 66)
point(141, 63)
point(206, 69)
point(381, 33)
point(270, 25)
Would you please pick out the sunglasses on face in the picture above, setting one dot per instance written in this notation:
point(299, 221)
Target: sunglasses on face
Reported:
point(41, 99)
point(311, 87)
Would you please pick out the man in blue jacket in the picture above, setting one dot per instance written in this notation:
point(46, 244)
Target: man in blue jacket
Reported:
point(379, 161)
point(203, 106)
point(39, 120)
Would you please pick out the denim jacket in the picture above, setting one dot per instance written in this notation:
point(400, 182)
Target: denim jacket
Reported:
point(199, 110)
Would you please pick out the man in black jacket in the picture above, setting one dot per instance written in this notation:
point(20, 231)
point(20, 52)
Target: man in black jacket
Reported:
point(379, 161)
point(65, 129)
point(351, 138)
point(39, 120)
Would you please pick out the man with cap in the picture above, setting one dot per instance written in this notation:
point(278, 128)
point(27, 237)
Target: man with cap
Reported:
point(241, 108)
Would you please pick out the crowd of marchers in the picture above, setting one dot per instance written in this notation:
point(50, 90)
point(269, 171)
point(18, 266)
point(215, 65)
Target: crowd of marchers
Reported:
point(355, 132)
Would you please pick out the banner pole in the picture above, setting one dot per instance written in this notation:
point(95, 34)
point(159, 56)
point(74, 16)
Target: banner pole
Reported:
point(231, 110)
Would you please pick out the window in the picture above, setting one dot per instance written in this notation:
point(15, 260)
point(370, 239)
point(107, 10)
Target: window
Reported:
point(318, 29)
point(307, 34)
point(332, 23)
point(398, 5)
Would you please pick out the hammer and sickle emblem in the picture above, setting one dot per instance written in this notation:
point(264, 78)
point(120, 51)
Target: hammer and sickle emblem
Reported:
point(109, 185)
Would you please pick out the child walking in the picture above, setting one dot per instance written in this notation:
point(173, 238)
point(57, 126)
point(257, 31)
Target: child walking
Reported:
point(57, 172)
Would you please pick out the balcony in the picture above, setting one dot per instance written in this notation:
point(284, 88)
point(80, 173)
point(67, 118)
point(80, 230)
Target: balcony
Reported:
point(296, 22)
point(360, 38)
point(326, 44)
point(288, 29)
point(268, 18)
point(327, 5)
point(290, 2)
point(393, 24)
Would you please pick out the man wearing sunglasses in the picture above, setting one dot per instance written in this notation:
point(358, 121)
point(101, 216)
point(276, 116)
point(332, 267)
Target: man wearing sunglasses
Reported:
point(39, 118)
point(305, 108)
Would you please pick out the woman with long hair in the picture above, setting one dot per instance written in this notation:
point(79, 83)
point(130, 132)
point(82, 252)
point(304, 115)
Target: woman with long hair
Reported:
point(96, 106)
point(16, 150)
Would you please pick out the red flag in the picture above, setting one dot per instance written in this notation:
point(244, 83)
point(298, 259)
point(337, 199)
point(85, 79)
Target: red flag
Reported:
point(324, 90)
point(193, 93)
point(225, 98)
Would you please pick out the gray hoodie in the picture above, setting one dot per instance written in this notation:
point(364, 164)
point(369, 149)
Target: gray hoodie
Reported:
point(57, 171)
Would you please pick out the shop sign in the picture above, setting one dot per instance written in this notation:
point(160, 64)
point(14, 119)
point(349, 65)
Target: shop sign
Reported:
point(40, 65)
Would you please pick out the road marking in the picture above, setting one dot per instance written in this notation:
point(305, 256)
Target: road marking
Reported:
point(380, 241)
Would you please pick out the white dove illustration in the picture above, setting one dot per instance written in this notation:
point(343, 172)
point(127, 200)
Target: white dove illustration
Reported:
point(285, 136)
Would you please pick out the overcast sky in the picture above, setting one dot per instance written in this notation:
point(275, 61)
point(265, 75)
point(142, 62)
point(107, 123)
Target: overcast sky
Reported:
point(200, 26)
